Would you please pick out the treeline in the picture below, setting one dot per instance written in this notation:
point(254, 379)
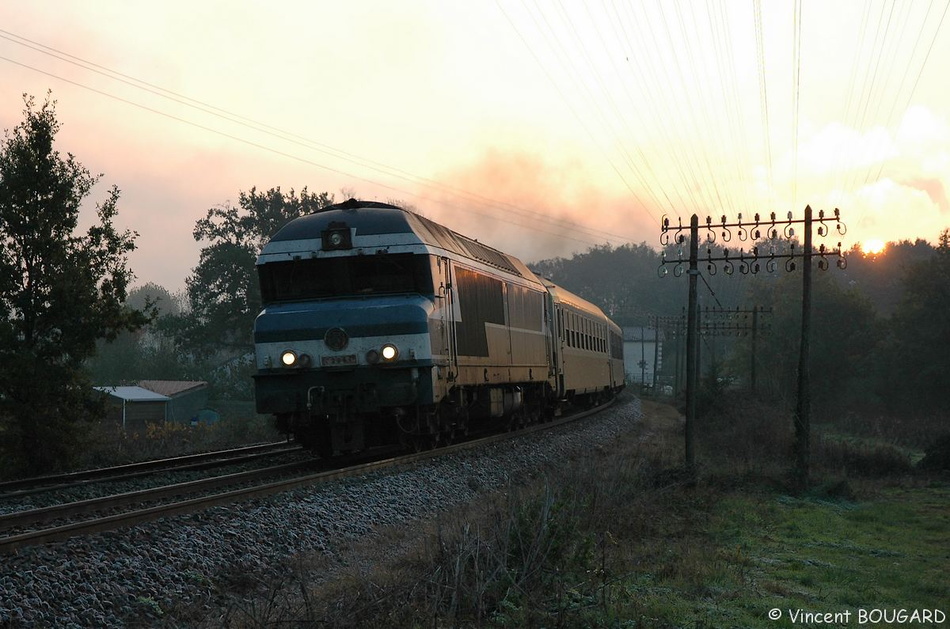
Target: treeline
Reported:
point(880, 329)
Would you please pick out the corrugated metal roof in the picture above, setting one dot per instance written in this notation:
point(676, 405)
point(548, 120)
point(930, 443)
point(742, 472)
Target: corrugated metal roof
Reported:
point(133, 394)
point(172, 388)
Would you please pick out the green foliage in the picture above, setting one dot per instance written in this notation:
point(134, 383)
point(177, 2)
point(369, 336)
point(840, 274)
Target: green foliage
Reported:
point(223, 290)
point(60, 291)
point(844, 334)
point(881, 276)
point(149, 353)
point(937, 456)
point(915, 353)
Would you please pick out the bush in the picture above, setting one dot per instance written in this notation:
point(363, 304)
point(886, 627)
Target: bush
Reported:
point(937, 455)
point(744, 437)
point(859, 458)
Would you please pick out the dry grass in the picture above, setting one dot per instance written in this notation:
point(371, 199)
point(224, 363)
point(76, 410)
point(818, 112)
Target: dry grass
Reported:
point(617, 535)
point(107, 444)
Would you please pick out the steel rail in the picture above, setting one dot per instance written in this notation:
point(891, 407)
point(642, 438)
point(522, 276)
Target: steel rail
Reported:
point(28, 517)
point(40, 484)
point(11, 543)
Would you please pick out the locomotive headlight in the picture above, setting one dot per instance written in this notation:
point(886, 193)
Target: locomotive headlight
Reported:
point(389, 352)
point(288, 358)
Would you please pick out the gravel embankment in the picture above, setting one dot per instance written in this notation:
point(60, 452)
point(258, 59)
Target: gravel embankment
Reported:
point(125, 578)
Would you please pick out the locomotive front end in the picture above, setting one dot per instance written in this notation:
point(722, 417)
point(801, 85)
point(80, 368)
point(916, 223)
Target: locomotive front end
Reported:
point(343, 344)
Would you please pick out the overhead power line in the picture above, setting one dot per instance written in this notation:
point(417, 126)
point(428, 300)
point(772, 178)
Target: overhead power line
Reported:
point(491, 208)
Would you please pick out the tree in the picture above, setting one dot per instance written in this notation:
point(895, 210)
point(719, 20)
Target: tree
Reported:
point(844, 336)
point(223, 289)
point(880, 276)
point(148, 353)
point(59, 292)
point(915, 359)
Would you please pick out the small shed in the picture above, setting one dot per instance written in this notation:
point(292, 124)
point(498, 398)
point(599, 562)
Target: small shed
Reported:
point(187, 398)
point(134, 407)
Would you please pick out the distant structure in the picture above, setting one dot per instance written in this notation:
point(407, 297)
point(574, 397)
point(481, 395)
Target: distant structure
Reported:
point(642, 354)
point(187, 398)
point(133, 407)
point(157, 401)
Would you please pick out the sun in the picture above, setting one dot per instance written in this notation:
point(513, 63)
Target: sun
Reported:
point(872, 246)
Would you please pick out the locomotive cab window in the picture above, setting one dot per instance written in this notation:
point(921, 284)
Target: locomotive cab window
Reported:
point(321, 278)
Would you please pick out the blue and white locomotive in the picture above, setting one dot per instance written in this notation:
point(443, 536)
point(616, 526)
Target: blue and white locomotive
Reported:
point(380, 326)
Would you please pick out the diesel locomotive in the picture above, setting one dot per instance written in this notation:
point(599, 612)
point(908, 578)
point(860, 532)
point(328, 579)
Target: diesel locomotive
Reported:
point(380, 326)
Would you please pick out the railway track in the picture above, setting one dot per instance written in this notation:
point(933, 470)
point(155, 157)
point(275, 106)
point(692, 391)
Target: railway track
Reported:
point(206, 460)
point(38, 526)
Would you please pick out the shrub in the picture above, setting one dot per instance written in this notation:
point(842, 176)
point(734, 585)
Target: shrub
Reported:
point(937, 455)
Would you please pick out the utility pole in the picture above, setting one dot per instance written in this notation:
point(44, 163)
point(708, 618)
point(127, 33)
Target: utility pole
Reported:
point(751, 263)
point(643, 359)
point(656, 354)
point(755, 333)
point(803, 402)
point(692, 345)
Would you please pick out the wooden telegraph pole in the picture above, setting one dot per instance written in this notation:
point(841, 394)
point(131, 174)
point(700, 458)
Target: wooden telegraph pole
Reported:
point(692, 345)
point(803, 401)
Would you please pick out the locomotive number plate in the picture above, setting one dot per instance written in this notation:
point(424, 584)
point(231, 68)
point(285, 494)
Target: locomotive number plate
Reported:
point(344, 360)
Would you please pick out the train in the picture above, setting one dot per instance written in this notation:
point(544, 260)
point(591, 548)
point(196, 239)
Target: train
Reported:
point(380, 326)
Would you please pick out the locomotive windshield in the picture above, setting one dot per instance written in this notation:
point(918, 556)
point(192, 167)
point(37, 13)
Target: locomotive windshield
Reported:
point(321, 278)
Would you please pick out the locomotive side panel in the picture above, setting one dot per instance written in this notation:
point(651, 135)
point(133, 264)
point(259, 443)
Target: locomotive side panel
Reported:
point(500, 330)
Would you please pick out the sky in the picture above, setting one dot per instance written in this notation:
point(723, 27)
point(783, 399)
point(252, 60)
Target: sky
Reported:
point(540, 128)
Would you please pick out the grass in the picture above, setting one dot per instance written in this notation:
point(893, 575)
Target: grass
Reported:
point(825, 556)
point(621, 538)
